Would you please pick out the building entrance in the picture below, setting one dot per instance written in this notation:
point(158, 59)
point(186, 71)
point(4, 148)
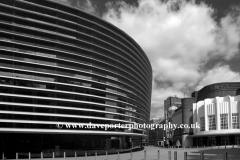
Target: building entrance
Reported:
point(225, 141)
point(237, 141)
point(212, 141)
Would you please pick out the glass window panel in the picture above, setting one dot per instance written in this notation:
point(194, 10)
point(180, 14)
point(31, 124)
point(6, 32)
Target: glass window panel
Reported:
point(202, 124)
point(6, 19)
point(212, 122)
point(224, 121)
point(235, 120)
point(45, 69)
point(46, 61)
point(46, 11)
point(6, 72)
point(111, 103)
point(6, 81)
point(111, 109)
point(67, 10)
point(65, 88)
point(6, 63)
point(7, 2)
point(83, 76)
point(23, 57)
point(45, 78)
point(111, 96)
point(46, 53)
point(23, 92)
point(24, 66)
point(23, 75)
point(6, 10)
point(24, 83)
point(64, 72)
point(66, 56)
point(66, 64)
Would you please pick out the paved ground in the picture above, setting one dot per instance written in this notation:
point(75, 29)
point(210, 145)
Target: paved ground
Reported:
point(152, 154)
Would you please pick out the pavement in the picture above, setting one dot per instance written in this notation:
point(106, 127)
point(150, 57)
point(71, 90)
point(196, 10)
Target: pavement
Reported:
point(152, 154)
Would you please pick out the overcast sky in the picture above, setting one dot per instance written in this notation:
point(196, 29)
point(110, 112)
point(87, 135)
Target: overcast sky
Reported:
point(190, 43)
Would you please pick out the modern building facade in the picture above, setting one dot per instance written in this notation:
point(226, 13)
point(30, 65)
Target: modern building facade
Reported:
point(155, 134)
point(216, 109)
point(172, 101)
point(219, 116)
point(177, 118)
point(60, 65)
point(219, 120)
point(183, 115)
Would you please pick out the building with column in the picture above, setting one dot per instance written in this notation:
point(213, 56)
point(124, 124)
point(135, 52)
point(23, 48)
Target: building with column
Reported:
point(61, 65)
point(219, 121)
point(216, 109)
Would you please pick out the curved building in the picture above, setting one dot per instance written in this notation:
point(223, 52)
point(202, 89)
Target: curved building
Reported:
point(217, 111)
point(212, 114)
point(60, 65)
point(219, 121)
point(219, 89)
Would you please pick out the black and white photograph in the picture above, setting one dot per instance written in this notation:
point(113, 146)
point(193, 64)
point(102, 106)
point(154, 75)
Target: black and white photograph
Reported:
point(119, 79)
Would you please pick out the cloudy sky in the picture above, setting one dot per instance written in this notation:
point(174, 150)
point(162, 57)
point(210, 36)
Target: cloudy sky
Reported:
point(190, 43)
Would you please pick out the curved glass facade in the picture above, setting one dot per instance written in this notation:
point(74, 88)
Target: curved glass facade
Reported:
point(59, 64)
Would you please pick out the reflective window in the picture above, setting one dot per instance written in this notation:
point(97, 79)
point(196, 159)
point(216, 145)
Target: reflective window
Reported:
point(212, 122)
point(6, 81)
point(45, 85)
point(23, 75)
point(202, 124)
point(7, 2)
point(83, 76)
point(235, 120)
point(45, 78)
point(26, 58)
point(6, 10)
point(111, 109)
point(224, 121)
point(6, 19)
point(65, 88)
point(24, 66)
point(6, 63)
point(65, 56)
point(45, 69)
point(23, 92)
point(111, 96)
point(24, 83)
point(111, 103)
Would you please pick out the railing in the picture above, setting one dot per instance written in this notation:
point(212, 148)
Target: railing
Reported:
point(52, 154)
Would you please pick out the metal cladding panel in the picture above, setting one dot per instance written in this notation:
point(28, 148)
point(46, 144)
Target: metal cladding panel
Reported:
point(60, 61)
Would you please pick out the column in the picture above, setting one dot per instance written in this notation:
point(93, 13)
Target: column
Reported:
point(230, 113)
point(206, 115)
point(194, 116)
point(198, 117)
point(217, 113)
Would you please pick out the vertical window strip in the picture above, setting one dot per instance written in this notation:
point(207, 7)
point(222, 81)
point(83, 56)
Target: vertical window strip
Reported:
point(224, 121)
point(235, 120)
point(212, 122)
point(202, 124)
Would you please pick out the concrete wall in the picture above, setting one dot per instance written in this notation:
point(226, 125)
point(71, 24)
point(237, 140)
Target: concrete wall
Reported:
point(187, 114)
